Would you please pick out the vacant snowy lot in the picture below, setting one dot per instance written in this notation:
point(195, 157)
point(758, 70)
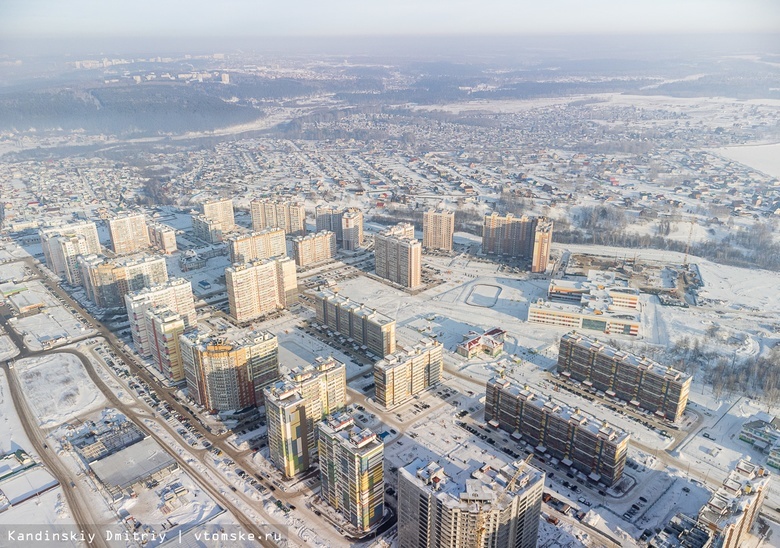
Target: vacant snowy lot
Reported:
point(57, 388)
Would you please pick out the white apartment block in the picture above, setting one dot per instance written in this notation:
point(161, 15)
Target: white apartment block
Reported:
point(288, 215)
point(128, 233)
point(175, 295)
point(260, 287)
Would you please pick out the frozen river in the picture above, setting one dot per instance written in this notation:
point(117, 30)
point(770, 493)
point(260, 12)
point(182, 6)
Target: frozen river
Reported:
point(764, 158)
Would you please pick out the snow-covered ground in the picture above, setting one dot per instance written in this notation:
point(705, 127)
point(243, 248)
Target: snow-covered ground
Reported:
point(47, 513)
point(57, 388)
point(764, 158)
point(8, 349)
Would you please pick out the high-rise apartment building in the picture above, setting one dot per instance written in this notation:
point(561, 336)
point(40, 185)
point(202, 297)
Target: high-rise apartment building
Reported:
point(577, 439)
point(64, 252)
point(542, 243)
point(365, 325)
point(518, 237)
point(352, 470)
point(401, 375)
point(229, 370)
point(314, 248)
point(640, 381)
point(399, 256)
point(107, 281)
point(295, 404)
point(208, 230)
point(162, 237)
point(260, 287)
point(352, 229)
point(267, 243)
point(438, 229)
point(288, 215)
point(62, 245)
point(174, 294)
point(164, 326)
point(346, 224)
point(734, 507)
point(453, 507)
point(329, 218)
point(222, 211)
point(128, 233)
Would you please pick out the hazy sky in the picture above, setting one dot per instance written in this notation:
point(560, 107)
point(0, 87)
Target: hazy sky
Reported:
point(31, 19)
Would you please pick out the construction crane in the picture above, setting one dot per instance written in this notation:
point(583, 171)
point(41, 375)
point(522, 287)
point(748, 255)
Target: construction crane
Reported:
point(688, 245)
point(527, 460)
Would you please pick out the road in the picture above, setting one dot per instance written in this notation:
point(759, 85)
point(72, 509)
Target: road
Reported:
point(78, 506)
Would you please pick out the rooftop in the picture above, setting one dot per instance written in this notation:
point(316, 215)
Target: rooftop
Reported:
point(474, 485)
point(574, 415)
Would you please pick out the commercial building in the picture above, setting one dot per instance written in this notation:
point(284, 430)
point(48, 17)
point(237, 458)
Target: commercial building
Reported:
point(174, 294)
point(128, 233)
point(287, 215)
point(577, 439)
point(260, 287)
point(229, 371)
point(734, 507)
point(222, 211)
point(314, 248)
point(352, 470)
point(295, 404)
point(267, 243)
point(518, 237)
point(107, 281)
point(682, 532)
point(209, 230)
point(133, 465)
point(451, 507)
point(62, 245)
point(162, 237)
point(354, 320)
point(640, 381)
point(438, 229)
point(346, 224)
point(401, 375)
point(762, 431)
point(399, 256)
point(599, 303)
point(491, 342)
